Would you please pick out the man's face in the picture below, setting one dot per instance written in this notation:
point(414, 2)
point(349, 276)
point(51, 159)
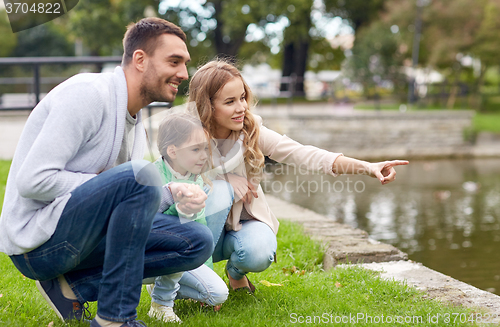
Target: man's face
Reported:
point(165, 69)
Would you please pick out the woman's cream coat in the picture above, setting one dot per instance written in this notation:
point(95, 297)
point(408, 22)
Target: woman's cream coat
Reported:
point(282, 149)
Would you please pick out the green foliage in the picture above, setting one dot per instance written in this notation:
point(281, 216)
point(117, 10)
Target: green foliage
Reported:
point(300, 21)
point(49, 39)
point(4, 172)
point(359, 13)
point(486, 45)
point(323, 57)
point(255, 53)
point(8, 39)
point(487, 122)
point(375, 57)
point(44, 40)
point(222, 23)
point(101, 24)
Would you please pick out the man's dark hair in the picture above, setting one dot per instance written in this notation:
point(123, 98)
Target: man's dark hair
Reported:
point(144, 34)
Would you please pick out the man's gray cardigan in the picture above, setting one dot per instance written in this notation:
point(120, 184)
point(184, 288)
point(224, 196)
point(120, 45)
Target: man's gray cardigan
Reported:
point(72, 135)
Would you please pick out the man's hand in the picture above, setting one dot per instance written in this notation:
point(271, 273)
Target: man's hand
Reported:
point(190, 198)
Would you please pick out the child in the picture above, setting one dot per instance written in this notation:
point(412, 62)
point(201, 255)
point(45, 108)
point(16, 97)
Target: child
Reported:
point(183, 146)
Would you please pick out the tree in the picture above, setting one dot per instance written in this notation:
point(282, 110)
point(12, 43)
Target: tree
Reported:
point(359, 13)
point(370, 62)
point(8, 40)
point(216, 27)
point(322, 56)
point(226, 23)
point(452, 29)
point(100, 24)
point(44, 40)
point(376, 57)
point(296, 43)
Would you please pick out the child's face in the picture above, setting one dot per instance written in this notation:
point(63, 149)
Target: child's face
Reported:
point(192, 155)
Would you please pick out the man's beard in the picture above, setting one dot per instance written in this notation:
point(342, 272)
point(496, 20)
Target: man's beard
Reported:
point(154, 93)
point(153, 88)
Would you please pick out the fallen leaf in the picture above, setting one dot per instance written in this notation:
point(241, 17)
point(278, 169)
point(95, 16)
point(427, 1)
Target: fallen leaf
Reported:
point(302, 273)
point(337, 284)
point(1, 295)
point(50, 324)
point(293, 270)
point(268, 284)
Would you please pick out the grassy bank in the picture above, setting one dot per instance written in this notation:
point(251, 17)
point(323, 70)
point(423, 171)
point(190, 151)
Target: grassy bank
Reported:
point(487, 122)
point(300, 291)
point(482, 122)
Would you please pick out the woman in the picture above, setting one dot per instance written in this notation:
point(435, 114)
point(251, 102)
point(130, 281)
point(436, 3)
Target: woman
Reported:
point(240, 142)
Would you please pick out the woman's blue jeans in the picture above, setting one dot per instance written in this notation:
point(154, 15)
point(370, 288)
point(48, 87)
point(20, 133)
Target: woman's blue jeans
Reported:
point(110, 237)
point(251, 249)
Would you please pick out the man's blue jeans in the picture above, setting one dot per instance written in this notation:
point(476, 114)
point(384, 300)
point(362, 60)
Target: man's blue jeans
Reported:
point(110, 237)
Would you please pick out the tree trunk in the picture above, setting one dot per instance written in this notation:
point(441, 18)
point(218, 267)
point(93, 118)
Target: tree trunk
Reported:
point(297, 41)
point(294, 68)
point(454, 89)
point(226, 48)
point(477, 102)
point(301, 66)
point(288, 60)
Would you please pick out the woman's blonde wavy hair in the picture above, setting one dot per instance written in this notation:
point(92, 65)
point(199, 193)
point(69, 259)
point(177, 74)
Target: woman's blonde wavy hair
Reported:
point(204, 87)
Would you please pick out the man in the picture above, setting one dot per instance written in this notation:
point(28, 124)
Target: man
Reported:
point(80, 209)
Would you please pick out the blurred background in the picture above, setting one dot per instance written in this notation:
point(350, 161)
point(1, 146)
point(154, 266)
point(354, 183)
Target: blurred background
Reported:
point(373, 53)
point(326, 56)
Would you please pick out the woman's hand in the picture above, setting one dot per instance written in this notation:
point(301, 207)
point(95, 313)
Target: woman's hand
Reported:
point(243, 189)
point(384, 171)
point(190, 198)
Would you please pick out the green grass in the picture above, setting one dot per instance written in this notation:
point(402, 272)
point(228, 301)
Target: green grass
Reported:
point(487, 122)
point(307, 293)
point(396, 106)
point(4, 171)
point(482, 122)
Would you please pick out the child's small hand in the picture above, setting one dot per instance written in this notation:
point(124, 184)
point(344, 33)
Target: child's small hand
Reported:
point(190, 198)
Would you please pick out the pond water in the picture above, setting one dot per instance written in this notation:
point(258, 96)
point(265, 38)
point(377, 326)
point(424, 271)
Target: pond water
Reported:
point(443, 213)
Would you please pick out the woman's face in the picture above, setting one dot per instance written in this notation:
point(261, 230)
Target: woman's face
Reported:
point(230, 106)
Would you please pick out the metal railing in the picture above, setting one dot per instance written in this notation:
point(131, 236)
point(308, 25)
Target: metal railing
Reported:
point(37, 62)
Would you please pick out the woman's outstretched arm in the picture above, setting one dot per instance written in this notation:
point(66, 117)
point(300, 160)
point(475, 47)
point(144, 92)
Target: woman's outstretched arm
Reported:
point(383, 171)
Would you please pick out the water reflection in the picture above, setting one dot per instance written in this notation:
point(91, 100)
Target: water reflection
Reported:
point(445, 214)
